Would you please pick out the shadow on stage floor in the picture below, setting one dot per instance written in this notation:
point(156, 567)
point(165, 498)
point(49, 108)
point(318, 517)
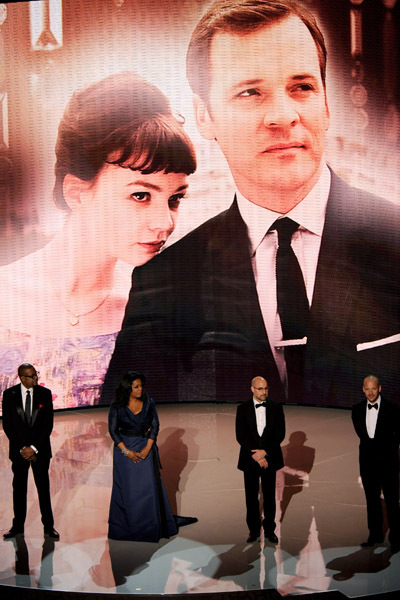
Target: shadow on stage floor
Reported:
point(321, 516)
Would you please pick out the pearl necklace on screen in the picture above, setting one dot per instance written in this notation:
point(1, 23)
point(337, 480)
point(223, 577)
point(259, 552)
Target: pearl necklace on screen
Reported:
point(74, 317)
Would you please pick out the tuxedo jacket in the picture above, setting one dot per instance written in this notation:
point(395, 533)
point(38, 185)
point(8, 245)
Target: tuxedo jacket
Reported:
point(15, 426)
point(382, 450)
point(193, 322)
point(249, 439)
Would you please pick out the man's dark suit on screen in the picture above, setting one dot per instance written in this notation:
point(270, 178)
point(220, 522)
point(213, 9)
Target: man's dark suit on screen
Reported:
point(193, 321)
point(270, 441)
point(20, 435)
point(379, 467)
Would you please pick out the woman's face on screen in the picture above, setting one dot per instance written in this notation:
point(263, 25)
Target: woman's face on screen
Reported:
point(131, 215)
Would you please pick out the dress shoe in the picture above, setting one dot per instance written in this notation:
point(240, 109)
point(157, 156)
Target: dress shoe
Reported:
point(271, 538)
point(371, 542)
point(253, 537)
point(52, 534)
point(12, 533)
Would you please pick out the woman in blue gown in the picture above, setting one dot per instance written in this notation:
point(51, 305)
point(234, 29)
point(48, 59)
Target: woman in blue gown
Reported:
point(139, 508)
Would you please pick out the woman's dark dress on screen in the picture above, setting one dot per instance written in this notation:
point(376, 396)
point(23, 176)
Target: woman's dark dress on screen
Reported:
point(139, 508)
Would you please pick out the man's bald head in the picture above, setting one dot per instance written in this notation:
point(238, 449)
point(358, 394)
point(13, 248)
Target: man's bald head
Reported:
point(370, 378)
point(371, 388)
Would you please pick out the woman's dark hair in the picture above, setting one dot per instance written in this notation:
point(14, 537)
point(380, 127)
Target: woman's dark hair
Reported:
point(122, 120)
point(124, 388)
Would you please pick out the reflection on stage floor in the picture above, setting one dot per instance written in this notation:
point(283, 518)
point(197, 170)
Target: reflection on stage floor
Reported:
point(321, 512)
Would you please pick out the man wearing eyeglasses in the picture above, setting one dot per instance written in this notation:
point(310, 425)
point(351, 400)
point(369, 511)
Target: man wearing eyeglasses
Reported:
point(28, 423)
point(260, 429)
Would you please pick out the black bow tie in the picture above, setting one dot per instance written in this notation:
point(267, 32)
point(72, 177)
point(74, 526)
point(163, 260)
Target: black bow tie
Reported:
point(372, 406)
point(261, 404)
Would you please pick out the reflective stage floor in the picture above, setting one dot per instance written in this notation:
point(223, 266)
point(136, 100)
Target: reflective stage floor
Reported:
point(321, 512)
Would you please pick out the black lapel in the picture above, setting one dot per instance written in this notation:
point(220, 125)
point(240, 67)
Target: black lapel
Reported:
point(336, 285)
point(251, 415)
point(362, 416)
point(269, 421)
point(228, 274)
point(35, 404)
point(18, 402)
point(229, 269)
point(381, 421)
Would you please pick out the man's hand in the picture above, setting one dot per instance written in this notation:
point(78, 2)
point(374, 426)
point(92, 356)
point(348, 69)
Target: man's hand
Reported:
point(258, 455)
point(263, 463)
point(27, 452)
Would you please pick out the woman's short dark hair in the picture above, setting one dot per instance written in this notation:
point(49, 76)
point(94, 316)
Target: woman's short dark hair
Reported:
point(124, 387)
point(123, 120)
point(241, 17)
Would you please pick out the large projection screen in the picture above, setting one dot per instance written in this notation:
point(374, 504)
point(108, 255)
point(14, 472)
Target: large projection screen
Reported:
point(51, 48)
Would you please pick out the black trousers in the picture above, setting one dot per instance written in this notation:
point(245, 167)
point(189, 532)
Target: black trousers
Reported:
point(252, 487)
point(40, 468)
point(375, 479)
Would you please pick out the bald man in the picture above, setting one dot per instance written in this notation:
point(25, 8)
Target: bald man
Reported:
point(377, 424)
point(260, 429)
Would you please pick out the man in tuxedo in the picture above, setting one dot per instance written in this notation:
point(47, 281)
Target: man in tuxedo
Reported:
point(28, 423)
point(299, 279)
point(377, 424)
point(260, 429)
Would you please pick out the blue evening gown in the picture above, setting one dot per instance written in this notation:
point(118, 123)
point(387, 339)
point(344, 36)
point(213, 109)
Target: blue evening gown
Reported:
point(139, 508)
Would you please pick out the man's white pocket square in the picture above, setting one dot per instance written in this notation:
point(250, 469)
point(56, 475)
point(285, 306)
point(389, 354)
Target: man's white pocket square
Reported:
point(392, 339)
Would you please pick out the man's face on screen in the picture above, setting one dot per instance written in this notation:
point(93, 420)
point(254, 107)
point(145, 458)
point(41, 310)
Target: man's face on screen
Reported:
point(267, 110)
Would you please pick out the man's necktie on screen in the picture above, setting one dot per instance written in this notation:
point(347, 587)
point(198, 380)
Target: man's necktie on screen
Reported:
point(293, 307)
point(28, 407)
point(261, 404)
point(373, 406)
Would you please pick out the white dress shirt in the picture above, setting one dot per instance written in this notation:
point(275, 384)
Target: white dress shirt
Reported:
point(306, 242)
point(372, 417)
point(260, 417)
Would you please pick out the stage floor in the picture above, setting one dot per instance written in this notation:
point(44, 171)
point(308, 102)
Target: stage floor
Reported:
point(321, 509)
